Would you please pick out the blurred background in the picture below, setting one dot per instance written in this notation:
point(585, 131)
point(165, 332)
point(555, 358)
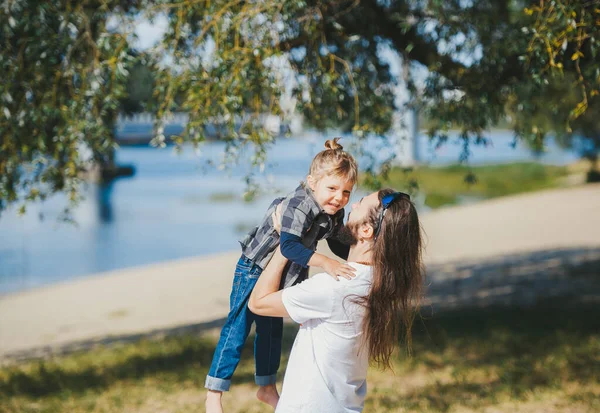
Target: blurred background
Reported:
point(176, 205)
point(139, 140)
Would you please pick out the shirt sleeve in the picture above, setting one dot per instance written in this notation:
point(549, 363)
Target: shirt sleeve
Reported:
point(296, 217)
point(293, 249)
point(311, 299)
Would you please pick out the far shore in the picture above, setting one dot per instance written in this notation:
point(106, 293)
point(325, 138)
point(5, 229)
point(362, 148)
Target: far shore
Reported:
point(561, 223)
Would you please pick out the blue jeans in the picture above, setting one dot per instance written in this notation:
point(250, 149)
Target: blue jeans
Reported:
point(267, 344)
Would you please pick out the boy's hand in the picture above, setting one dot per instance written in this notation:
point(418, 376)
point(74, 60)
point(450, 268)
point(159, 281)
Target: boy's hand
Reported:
point(338, 269)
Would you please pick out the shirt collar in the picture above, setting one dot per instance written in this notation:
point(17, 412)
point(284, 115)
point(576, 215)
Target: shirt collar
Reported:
point(312, 202)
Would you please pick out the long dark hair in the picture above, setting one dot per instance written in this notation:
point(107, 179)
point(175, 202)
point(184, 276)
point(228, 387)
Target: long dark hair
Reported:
point(398, 276)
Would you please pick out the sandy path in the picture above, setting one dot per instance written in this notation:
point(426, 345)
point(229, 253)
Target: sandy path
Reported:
point(196, 290)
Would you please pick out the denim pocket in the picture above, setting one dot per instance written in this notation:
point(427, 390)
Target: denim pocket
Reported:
point(244, 266)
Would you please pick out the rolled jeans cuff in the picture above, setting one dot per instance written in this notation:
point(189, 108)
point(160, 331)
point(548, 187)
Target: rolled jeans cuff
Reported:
point(265, 380)
point(216, 384)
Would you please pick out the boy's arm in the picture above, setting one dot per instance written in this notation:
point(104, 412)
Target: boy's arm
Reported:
point(292, 219)
point(293, 249)
point(291, 224)
point(332, 267)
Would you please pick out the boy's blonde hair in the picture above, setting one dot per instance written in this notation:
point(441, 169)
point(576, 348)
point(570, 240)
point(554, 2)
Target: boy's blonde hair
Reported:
point(334, 161)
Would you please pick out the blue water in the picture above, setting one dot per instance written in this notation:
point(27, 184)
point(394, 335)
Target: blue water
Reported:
point(170, 209)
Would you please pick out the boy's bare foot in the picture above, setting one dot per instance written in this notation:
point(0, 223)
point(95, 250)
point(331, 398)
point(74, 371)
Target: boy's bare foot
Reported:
point(268, 394)
point(213, 402)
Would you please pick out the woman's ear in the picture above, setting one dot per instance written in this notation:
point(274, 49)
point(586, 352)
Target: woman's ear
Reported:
point(310, 180)
point(366, 231)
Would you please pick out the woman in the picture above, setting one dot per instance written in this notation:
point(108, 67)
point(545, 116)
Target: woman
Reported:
point(345, 324)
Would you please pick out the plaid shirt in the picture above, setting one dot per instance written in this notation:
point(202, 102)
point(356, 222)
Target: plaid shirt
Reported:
point(301, 216)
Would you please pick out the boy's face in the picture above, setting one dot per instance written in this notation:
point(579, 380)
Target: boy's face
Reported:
point(331, 192)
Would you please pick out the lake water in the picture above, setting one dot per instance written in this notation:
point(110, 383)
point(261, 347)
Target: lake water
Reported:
point(174, 207)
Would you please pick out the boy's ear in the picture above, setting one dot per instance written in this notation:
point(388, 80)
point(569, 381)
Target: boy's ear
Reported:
point(310, 180)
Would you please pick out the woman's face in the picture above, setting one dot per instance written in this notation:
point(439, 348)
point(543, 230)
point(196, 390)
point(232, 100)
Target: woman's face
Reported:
point(361, 209)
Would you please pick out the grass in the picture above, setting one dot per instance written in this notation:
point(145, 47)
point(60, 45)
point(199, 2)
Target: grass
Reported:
point(504, 360)
point(223, 197)
point(449, 184)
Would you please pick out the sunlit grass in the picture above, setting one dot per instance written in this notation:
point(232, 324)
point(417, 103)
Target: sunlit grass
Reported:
point(447, 185)
point(224, 197)
point(505, 360)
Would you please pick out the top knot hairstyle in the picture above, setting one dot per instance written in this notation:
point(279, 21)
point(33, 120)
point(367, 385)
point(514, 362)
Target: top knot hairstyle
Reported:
point(333, 160)
point(333, 144)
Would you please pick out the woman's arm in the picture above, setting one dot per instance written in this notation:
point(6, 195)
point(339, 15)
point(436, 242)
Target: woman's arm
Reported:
point(266, 297)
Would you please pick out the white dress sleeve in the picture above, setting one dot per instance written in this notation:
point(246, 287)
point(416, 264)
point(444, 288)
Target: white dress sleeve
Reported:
point(311, 299)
